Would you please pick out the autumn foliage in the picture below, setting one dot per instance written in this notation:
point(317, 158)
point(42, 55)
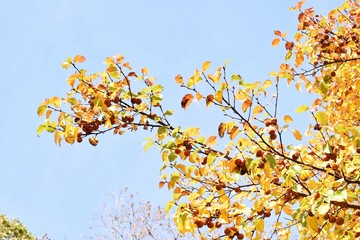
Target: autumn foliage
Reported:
point(265, 182)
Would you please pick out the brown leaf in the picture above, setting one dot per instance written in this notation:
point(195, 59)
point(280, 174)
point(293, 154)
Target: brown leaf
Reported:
point(209, 100)
point(186, 100)
point(221, 129)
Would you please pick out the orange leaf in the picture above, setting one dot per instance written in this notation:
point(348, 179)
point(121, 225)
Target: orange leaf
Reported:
point(246, 105)
point(161, 184)
point(234, 132)
point(205, 66)
point(277, 33)
point(275, 42)
point(179, 79)
point(186, 100)
point(257, 110)
point(297, 134)
point(211, 141)
point(127, 65)
point(288, 210)
point(119, 58)
point(79, 59)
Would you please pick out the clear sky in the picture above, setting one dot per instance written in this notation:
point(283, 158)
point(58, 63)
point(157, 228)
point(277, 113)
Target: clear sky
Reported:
point(58, 190)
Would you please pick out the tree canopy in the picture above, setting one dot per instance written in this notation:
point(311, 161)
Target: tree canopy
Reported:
point(12, 229)
point(257, 163)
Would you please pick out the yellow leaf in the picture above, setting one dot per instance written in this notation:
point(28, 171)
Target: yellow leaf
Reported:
point(66, 64)
point(199, 96)
point(267, 83)
point(312, 222)
point(144, 71)
point(186, 100)
point(297, 134)
point(71, 80)
point(79, 59)
point(259, 225)
point(56, 101)
point(275, 42)
point(288, 210)
point(41, 110)
point(195, 79)
point(165, 156)
point(287, 119)
point(205, 66)
point(246, 104)
point(218, 96)
point(257, 110)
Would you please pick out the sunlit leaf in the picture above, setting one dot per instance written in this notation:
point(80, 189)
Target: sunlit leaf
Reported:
point(79, 59)
point(275, 42)
point(205, 66)
point(302, 109)
point(297, 134)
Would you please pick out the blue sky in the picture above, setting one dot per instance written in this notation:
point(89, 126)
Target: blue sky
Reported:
point(58, 190)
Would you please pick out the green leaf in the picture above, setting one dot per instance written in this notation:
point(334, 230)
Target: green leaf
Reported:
point(168, 113)
point(157, 88)
point(72, 101)
point(172, 157)
point(327, 78)
point(271, 160)
point(302, 109)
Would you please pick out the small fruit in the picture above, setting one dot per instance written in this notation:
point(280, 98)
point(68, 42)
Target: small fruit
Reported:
point(340, 221)
point(178, 151)
point(332, 219)
point(317, 127)
point(295, 156)
point(274, 121)
point(219, 187)
point(267, 213)
point(273, 136)
point(227, 231)
point(93, 141)
point(259, 153)
point(237, 189)
point(238, 162)
point(211, 225)
point(218, 225)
